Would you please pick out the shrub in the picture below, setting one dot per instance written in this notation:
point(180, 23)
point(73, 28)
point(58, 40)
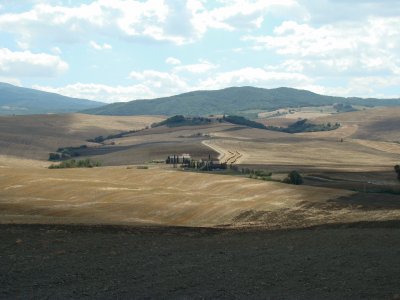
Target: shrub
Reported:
point(86, 163)
point(397, 170)
point(293, 177)
point(142, 167)
point(54, 156)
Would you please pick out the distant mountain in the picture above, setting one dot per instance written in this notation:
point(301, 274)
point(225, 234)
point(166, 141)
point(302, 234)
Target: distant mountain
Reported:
point(24, 101)
point(232, 100)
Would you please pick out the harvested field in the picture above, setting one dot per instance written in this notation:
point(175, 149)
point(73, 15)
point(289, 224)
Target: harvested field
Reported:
point(349, 155)
point(381, 124)
point(117, 195)
point(161, 196)
point(34, 136)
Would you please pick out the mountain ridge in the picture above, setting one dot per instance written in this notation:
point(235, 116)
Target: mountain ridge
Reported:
point(231, 100)
point(22, 101)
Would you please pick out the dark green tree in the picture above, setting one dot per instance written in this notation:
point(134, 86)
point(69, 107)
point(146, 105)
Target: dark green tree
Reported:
point(397, 170)
point(294, 177)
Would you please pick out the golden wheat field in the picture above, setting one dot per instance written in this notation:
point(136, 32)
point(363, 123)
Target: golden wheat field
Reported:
point(120, 193)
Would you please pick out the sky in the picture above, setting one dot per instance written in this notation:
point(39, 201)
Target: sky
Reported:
point(121, 50)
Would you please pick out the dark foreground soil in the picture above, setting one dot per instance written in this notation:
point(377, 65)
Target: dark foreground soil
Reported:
point(58, 262)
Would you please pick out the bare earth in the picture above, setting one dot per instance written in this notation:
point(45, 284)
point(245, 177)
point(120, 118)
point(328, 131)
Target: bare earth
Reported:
point(346, 262)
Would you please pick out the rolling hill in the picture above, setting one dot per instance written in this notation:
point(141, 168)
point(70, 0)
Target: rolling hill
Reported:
point(23, 101)
point(34, 136)
point(231, 100)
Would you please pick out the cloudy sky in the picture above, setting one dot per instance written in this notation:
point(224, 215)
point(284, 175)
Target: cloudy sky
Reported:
point(120, 50)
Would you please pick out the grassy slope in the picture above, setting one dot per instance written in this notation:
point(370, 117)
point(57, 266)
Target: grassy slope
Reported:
point(229, 101)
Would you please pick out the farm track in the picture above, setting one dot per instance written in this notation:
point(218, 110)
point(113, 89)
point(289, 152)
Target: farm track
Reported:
point(233, 157)
point(226, 156)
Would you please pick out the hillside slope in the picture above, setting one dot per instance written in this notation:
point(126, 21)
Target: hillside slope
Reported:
point(34, 136)
point(229, 101)
point(23, 101)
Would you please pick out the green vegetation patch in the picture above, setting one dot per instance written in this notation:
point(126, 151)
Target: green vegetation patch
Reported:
point(66, 153)
point(304, 126)
point(86, 163)
point(397, 170)
point(257, 174)
point(100, 139)
point(294, 177)
point(179, 120)
point(238, 120)
point(297, 127)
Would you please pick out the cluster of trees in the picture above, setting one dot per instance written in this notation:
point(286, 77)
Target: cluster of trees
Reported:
point(66, 153)
point(304, 126)
point(100, 139)
point(86, 163)
point(297, 127)
point(294, 177)
point(205, 165)
point(343, 107)
point(180, 120)
point(238, 120)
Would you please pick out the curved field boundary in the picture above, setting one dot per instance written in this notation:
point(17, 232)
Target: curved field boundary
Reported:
point(344, 131)
point(381, 146)
point(225, 155)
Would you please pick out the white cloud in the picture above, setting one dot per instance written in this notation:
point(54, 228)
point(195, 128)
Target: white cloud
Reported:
point(56, 50)
point(162, 83)
point(100, 47)
point(26, 63)
point(368, 48)
point(101, 92)
point(126, 19)
point(23, 45)
point(370, 86)
point(257, 77)
point(338, 11)
point(173, 61)
point(178, 21)
point(153, 84)
point(245, 14)
point(202, 67)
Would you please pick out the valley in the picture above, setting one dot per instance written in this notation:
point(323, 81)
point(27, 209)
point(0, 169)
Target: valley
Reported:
point(335, 165)
point(145, 222)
